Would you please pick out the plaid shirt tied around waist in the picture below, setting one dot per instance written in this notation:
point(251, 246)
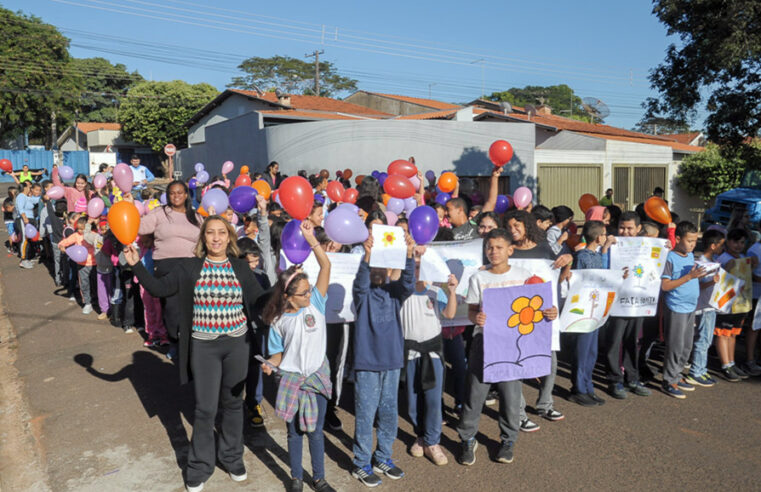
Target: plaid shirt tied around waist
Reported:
point(298, 393)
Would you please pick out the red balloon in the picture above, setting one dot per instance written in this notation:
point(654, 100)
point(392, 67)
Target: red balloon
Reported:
point(398, 186)
point(533, 280)
point(403, 168)
point(500, 152)
point(243, 180)
point(587, 201)
point(6, 165)
point(658, 210)
point(335, 191)
point(296, 197)
point(350, 195)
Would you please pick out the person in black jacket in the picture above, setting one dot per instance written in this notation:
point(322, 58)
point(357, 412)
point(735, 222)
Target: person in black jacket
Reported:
point(217, 293)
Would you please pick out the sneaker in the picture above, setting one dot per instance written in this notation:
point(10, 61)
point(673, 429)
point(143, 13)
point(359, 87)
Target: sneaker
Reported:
point(708, 379)
point(332, 420)
point(321, 485)
point(435, 454)
point(129, 329)
point(597, 399)
point(552, 415)
point(389, 469)
point(529, 426)
point(87, 309)
point(297, 485)
point(194, 487)
point(416, 449)
point(739, 372)
point(505, 453)
point(72, 299)
point(26, 264)
point(684, 385)
point(468, 452)
point(163, 342)
point(751, 368)
point(492, 398)
point(103, 315)
point(730, 375)
point(673, 391)
point(582, 399)
point(617, 391)
point(366, 476)
point(150, 343)
point(702, 381)
point(257, 417)
point(241, 476)
point(639, 389)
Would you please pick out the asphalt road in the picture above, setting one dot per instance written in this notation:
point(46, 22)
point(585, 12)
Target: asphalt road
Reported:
point(102, 413)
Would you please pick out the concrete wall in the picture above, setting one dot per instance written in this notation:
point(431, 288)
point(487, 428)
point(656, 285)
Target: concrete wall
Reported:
point(386, 104)
point(232, 107)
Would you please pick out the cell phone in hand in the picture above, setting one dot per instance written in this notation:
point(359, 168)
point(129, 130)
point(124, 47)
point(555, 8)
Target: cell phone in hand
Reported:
point(266, 362)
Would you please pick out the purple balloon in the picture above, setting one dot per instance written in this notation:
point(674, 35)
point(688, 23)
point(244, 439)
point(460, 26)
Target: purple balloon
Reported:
point(65, 172)
point(350, 206)
point(344, 226)
point(430, 176)
point(442, 198)
point(30, 231)
point(409, 205)
point(215, 198)
point(415, 182)
point(77, 253)
point(95, 207)
point(295, 246)
point(192, 183)
point(382, 178)
point(198, 167)
point(375, 174)
point(503, 203)
point(424, 224)
point(162, 199)
point(318, 198)
point(395, 205)
point(243, 199)
point(202, 176)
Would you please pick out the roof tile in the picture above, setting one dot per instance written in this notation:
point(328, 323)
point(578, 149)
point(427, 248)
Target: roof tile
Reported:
point(87, 127)
point(317, 103)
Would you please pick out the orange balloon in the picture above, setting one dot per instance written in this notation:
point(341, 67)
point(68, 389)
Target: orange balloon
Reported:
point(359, 179)
point(202, 212)
point(347, 174)
point(263, 188)
point(447, 182)
point(386, 197)
point(587, 201)
point(244, 170)
point(124, 221)
point(658, 210)
point(573, 241)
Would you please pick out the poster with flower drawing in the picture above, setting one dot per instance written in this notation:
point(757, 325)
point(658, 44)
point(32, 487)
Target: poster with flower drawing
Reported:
point(517, 337)
point(645, 258)
point(389, 247)
point(591, 294)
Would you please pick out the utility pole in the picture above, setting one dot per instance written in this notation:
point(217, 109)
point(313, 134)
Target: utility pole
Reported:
point(316, 54)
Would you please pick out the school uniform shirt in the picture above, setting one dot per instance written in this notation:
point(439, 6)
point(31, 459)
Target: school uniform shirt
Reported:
point(683, 299)
point(301, 337)
point(485, 279)
point(421, 317)
point(704, 298)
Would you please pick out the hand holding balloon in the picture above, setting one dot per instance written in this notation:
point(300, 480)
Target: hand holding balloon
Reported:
point(131, 255)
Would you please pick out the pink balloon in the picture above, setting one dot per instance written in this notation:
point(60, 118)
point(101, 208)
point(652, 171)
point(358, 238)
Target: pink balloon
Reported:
point(227, 167)
point(99, 181)
point(95, 207)
point(522, 197)
point(55, 192)
point(235, 219)
point(140, 207)
point(415, 182)
point(123, 177)
point(391, 218)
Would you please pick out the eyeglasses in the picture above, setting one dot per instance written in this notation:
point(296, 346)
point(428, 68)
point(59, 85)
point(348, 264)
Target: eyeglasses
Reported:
point(303, 294)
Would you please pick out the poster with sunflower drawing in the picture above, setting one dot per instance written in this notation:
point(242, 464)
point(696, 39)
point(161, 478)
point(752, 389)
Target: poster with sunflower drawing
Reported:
point(645, 258)
point(517, 337)
point(389, 247)
point(591, 294)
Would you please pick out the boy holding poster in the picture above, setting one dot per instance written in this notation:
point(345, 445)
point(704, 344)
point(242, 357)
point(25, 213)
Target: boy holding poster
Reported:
point(681, 291)
point(497, 274)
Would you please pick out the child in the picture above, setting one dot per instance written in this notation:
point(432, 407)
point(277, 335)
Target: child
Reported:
point(378, 360)
point(543, 217)
point(583, 391)
point(557, 235)
point(103, 267)
point(154, 325)
point(713, 245)
point(85, 269)
point(296, 313)
point(498, 274)
point(728, 326)
point(9, 208)
point(316, 215)
point(750, 366)
point(424, 369)
point(681, 291)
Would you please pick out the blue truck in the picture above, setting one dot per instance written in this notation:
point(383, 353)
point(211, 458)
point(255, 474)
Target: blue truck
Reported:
point(746, 198)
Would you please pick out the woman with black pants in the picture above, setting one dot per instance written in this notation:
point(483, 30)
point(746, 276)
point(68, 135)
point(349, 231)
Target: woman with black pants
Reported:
point(216, 294)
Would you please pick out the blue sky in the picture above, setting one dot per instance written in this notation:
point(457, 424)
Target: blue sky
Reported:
point(599, 48)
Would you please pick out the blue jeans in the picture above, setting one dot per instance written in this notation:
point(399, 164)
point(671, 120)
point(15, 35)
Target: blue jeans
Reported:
point(316, 443)
point(703, 339)
point(430, 427)
point(584, 362)
point(375, 392)
point(454, 353)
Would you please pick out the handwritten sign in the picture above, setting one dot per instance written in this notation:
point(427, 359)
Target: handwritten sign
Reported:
point(389, 247)
point(645, 257)
point(591, 295)
point(544, 271)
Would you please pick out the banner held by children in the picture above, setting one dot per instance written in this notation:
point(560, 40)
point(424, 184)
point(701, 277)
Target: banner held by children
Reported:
point(517, 337)
point(645, 258)
point(591, 295)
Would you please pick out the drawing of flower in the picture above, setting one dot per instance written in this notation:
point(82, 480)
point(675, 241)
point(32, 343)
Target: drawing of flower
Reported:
point(527, 312)
point(388, 239)
point(639, 271)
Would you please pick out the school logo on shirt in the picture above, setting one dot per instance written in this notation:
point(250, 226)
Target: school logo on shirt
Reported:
point(309, 321)
point(429, 303)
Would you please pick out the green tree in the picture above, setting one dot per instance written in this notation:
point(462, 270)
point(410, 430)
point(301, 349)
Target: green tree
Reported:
point(560, 98)
point(36, 87)
point(291, 75)
point(661, 126)
point(718, 56)
point(103, 87)
point(154, 113)
point(713, 171)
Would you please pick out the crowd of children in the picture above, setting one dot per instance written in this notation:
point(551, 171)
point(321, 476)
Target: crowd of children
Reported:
point(397, 334)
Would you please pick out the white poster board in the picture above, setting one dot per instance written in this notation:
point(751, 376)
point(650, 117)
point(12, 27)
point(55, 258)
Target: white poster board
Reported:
point(645, 257)
point(543, 269)
point(591, 295)
point(389, 247)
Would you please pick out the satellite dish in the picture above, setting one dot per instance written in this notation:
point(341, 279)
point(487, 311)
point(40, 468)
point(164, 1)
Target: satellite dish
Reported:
point(596, 108)
point(506, 107)
point(278, 93)
point(530, 110)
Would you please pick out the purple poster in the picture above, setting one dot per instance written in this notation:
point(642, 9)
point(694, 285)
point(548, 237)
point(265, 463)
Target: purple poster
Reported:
point(517, 338)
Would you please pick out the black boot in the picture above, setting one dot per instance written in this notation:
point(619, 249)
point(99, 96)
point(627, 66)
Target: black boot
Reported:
point(116, 315)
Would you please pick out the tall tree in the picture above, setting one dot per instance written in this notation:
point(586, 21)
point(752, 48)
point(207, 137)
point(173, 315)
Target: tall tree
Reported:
point(36, 86)
point(713, 171)
point(103, 87)
point(719, 56)
point(560, 98)
point(291, 75)
point(661, 126)
point(154, 113)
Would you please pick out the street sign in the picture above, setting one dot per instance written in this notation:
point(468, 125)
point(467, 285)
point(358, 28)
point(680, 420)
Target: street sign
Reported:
point(170, 149)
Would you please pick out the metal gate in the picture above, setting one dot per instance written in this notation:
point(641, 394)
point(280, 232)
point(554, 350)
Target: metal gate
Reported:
point(563, 184)
point(633, 185)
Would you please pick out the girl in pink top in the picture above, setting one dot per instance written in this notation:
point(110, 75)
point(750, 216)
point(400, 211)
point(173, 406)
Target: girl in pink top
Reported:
point(72, 194)
point(83, 269)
